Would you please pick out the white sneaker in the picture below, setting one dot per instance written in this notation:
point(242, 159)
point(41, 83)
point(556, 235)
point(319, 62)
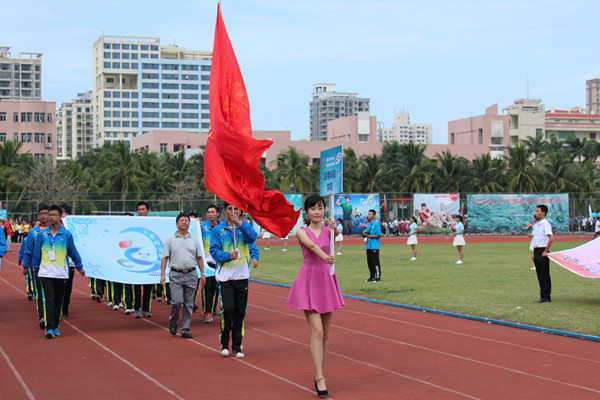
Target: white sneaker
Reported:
point(109, 304)
point(413, 259)
point(239, 355)
point(225, 353)
point(459, 262)
point(120, 305)
point(116, 308)
point(339, 254)
point(532, 268)
point(128, 311)
point(284, 250)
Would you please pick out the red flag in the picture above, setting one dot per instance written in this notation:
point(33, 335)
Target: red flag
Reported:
point(232, 156)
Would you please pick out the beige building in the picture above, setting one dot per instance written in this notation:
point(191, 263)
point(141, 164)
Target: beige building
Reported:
point(592, 96)
point(20, 78)
point(527, 118)
point(140, 85)
point(402, 131)
point(355, 129)
point(572, 122)
point(74, 121)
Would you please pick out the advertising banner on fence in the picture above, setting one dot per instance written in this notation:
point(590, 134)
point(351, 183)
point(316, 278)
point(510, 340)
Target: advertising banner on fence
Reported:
point(582, 260)
point(510, 213)
point(352, 209)
point(435, 211)
point(123, 249)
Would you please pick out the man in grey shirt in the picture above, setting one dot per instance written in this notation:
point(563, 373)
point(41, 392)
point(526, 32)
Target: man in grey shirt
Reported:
point(183, 252)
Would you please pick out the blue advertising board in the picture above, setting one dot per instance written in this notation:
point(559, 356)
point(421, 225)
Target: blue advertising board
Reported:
point(332, 170)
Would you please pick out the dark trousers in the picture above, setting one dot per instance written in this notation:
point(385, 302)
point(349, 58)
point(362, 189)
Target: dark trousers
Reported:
point(373, 263)
point(30, 282)
point(210, 294)
point(114, 292)
point(158, 291)
point(68, 291)
point(133, 296)
point(347, 226)
point(234, 300)
point(53, 292)
point(542, 269)
point(97, 286)
point(39, 296)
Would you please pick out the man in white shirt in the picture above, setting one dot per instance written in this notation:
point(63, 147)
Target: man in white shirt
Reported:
point(597, 230)
point(542, 241)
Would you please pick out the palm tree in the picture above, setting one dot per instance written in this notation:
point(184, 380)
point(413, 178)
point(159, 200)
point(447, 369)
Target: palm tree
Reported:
point(521, 171)
point(575, 146)
point(591, 150)
point(351, 172)
point(372, 173)
point(122, 173)
point(293, 172)
point(558, 171)
point(487, 174)
point(451, 171)
point(13, 165)
point(537, 145)
point(415, 169)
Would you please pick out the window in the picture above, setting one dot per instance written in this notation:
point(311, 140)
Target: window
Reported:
point(163, 147)
point(40, 137)
point(479, 136)
point(26, 137)
point(3, 118)
point(116, 65)
point(592, 135)
point(26, 117)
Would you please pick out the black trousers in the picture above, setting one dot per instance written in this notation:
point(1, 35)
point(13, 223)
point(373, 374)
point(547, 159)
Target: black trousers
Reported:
point(210, 294)
point(114, 292)
point(347, 226)
point(39, 296)
point(133, 296)
point(373, 263)
point(542, 269)
point(234, 300)
point(53, 292)
point(68, 291)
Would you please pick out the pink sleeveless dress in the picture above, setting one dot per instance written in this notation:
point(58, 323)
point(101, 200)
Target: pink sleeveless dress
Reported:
point(314, 288)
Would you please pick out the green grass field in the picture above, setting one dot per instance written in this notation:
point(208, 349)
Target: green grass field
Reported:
point(494, 282)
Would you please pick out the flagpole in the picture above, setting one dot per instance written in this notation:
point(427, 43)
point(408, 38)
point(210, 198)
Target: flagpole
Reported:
point(332, 233)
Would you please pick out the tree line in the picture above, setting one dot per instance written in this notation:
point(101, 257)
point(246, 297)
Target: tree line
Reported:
point(531, 166)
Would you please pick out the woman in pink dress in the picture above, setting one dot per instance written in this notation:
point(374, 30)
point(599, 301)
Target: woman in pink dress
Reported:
point(316, 290)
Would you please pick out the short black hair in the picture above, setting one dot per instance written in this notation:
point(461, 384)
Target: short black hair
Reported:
point(544, 208)
point(54, 207)
point(182, 215)
point(423, 204)
point(459, 217)
point(216, 207)
point(226, 204)
point(373, 211)
point(193, 214)
point(43, 207)
point(65, 208)
point(413, 218)
point(142, 203)
point(312, 201)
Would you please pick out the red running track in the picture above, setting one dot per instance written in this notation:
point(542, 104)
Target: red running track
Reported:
point(376, 352)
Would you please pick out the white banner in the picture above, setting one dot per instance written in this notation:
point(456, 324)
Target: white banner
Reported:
point(125, 249)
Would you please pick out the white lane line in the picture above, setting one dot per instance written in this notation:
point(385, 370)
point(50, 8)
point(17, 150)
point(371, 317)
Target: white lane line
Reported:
point(398, 374)
point(446, 354)
point(459, 333)
point(17, 375)
point(128, 363)
point(244, 361)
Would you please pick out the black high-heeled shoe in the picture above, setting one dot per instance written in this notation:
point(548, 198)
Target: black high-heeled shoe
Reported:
point(320, 392)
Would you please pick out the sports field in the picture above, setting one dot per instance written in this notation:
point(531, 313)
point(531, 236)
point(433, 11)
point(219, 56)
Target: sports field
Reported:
point(495, 280)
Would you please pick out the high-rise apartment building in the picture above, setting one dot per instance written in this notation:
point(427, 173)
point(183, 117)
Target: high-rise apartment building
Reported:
point(140, 86)
point(327, 104)
point(592, 96)
point(74, 131)
point(20, 78)
point(402, 131)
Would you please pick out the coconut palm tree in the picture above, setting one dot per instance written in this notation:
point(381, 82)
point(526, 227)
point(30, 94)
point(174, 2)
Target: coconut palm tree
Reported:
point(351, 171)
point(522, 174)
point(558, 171)
point(372, 173)
point(487, 174)
point(292, 172)
point(451, 172)
point(537, 145)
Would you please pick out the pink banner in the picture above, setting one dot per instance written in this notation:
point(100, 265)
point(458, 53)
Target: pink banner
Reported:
point(583, 260)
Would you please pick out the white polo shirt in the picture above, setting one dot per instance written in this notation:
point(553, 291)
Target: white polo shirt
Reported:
point(541, 230)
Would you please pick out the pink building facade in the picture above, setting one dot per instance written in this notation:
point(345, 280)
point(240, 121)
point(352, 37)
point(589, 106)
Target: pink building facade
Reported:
point(482, 134)
point(31, 122)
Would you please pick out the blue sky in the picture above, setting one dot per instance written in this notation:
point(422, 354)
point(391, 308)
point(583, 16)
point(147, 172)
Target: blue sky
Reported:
point(438, 60)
